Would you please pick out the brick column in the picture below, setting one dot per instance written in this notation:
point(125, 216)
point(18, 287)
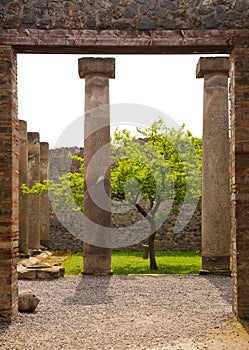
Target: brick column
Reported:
point(239, 75)
point(9, 179)
point(44, 199)
point(216, 229)
point(34, 200)
point(23, 179)
point(97, 222)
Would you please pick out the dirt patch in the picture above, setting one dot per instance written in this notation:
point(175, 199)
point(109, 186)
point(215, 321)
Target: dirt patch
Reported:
point(229, 335)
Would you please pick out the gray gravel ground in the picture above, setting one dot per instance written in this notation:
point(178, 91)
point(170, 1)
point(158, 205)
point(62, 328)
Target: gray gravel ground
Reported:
point(153, 312)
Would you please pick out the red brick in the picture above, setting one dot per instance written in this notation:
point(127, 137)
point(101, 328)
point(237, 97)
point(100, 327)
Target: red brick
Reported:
point(9, 185)
point(240, 172)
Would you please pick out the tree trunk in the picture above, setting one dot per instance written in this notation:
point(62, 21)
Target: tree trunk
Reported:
point(150, 218)
point(153, 264)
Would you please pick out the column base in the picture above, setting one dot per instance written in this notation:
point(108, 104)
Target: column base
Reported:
point(24, 255)
point(23, 248)
point(35, 251)
point(216, 265)
point(97, 273)
point(44, 243)
point(96, 261)
point(215, 272)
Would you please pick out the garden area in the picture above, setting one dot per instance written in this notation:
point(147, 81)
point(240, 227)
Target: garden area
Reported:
point(132, 262)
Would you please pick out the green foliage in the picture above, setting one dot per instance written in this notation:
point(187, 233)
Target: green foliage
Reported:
point(38, 188)
point(127, 262)
point(69, 190)
point(164, 165)
point(156, 167)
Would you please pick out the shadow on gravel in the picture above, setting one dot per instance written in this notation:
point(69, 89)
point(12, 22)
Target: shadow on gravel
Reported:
point(91, 290)
point(245, 324)
point(3, 327)
point(223, 284)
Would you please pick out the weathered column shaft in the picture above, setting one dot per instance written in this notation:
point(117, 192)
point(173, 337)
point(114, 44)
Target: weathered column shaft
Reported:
point(33, 200)
point(9, 189)
point(216, 228)
point(239, 75)
point(23, 179)
point(97, 208)
point(44, 199)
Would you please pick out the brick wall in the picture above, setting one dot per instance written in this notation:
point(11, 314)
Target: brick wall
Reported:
point(9, 179)
point(240, 178)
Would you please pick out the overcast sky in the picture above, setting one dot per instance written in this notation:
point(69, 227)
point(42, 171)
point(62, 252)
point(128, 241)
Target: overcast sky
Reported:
point(51, 94)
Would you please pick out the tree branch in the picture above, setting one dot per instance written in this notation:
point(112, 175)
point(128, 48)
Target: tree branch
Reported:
point(154, 210)
point(144, 213)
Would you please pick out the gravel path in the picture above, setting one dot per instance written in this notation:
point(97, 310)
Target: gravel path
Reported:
point(121, 312)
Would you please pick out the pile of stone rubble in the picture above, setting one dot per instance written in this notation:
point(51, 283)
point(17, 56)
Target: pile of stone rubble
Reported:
point(42, 266)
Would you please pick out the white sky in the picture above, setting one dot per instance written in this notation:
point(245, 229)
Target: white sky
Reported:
point(51, 94)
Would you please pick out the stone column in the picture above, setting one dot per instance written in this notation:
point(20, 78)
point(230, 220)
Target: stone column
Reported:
point(9, 189)
point(34, 200)
point(44, 199)
point(216, 227)
point(23, 179)
point(97, 208)
point(239, 75)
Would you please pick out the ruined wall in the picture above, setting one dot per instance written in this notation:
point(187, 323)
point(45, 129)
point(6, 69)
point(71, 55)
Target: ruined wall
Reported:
point(60, 239)
point(125, 14)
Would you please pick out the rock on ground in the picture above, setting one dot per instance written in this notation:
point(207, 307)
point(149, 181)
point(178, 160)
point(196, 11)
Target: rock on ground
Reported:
point(27, 302)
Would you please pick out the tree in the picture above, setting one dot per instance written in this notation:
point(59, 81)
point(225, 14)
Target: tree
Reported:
point(162, 168)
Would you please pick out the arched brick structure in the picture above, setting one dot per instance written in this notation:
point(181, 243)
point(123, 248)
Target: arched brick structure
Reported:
point(118, 26)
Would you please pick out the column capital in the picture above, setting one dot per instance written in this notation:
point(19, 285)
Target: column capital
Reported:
point(96, 65)
point(212, 65)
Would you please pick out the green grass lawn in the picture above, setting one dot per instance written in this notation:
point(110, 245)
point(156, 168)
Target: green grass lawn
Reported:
point(124, 263)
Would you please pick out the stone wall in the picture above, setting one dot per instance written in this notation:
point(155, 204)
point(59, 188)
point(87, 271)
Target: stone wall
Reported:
point(125, 14)
point(187, 239)
point(59, 238)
